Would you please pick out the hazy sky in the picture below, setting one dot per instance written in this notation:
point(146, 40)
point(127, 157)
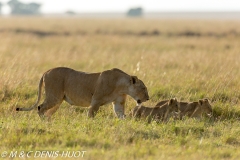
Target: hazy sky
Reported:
point(56, 6)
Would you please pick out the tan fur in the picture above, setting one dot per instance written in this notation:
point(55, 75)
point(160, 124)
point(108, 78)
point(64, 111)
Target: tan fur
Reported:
point(162, 112)
point(88, 89)
point(182, 105)
point(193, 109)
point(198, 109)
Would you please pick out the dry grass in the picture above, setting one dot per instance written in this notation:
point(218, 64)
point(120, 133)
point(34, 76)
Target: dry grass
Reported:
point(184, 59)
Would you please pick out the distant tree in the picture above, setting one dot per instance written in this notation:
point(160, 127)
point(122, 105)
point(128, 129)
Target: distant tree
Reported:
point(18, 7)
point(70, 12)
point(34, 7)
point(135, 12)
point(0, 7)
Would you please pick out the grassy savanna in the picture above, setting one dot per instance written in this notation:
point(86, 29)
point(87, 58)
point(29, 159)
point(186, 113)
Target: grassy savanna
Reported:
point(186, 59)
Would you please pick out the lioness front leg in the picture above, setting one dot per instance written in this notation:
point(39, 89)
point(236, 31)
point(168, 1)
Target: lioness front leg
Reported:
point(93, 110)
point(118, 106)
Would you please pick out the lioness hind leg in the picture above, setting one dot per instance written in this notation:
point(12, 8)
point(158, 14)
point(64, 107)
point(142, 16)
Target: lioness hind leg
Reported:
point(47, 109)
point(41, 114)
point(51, 111)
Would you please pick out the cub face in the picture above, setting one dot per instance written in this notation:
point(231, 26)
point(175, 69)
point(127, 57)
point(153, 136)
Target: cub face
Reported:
point(173, 105)
point(206, 106)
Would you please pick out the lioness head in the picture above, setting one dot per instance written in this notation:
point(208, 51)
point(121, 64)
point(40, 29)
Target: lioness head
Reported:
point(138, 90)
point(205, 106)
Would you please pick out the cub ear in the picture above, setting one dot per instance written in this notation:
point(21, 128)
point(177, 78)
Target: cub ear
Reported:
point(206, 100)
point(134, 79)
point(200, 101)
point(171, 101)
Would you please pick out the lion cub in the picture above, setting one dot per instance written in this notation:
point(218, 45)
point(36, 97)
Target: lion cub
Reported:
point(162, 112)
point(198, 109)
point(193, 109)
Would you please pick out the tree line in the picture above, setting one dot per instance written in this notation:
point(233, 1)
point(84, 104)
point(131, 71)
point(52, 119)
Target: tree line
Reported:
point(19, 8)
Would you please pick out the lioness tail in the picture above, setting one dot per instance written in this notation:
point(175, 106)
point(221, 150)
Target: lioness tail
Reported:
point(39, 97)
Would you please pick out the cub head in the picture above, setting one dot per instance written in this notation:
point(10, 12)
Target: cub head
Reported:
point(173, 105)
point(206, 107)
point(137, 90)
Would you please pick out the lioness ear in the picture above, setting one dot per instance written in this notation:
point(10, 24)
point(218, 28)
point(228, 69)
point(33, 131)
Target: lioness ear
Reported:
point(134, 79)
point(200, 102)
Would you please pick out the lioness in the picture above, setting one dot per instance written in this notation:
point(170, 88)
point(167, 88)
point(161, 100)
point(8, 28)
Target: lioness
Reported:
point(193, 109)
point(162, 112)
point(88, 89)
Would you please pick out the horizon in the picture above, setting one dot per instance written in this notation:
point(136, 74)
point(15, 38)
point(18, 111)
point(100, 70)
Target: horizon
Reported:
point(149, 6)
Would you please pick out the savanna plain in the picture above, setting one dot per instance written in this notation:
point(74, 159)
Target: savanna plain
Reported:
point(186, 59)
